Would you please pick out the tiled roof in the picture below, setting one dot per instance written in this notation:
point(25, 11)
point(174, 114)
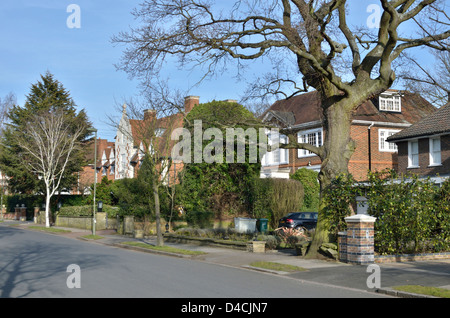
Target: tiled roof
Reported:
point(305, 108)
point(436, 123)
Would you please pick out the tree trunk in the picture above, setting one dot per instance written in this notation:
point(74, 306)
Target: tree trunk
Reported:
point(159, 238)
point(47, 209)
point(338, 147)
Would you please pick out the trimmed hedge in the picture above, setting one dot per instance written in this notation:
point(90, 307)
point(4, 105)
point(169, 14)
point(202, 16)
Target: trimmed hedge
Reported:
point(86, 210)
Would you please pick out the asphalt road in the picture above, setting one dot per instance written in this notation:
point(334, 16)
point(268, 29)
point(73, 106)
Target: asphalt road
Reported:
point(41, 265)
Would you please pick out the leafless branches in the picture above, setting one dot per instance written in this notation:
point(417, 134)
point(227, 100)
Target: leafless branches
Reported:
point(5, 104)
point(312, 34)
point(47, 146)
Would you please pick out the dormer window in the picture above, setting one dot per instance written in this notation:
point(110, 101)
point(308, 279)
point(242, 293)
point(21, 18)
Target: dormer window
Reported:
point(390, 102)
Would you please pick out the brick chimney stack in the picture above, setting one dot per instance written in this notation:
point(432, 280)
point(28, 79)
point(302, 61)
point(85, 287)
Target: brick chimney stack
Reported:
point(190, 102)
point(149, 114)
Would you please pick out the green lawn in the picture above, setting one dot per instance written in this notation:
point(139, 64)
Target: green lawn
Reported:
point(48, 229)
point(92, 237)
point(164, 248)
point(424, 290)
point(278, 266)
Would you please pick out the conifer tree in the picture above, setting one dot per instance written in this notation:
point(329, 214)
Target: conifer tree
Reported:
point(46, 95)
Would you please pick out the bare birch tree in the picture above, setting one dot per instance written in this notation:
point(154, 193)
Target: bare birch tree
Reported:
point(47, 145)
point(304, 44)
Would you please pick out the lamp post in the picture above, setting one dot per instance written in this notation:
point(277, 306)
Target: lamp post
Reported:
point(94, 220)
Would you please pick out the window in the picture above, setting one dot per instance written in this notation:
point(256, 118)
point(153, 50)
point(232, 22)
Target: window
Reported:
point(383, 145)
point(390, 103)
point(413, 154)
point(435, 151)
point(312, 137)
point(279, 156)
point(123, 163)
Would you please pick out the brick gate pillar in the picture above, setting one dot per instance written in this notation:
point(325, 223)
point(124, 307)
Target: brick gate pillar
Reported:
point(360, 239)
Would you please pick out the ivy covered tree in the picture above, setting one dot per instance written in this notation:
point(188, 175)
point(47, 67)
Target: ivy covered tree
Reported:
point(309, 179)
point(48, 95)
point(221, 186)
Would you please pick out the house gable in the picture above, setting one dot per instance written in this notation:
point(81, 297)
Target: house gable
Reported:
point(371, 126)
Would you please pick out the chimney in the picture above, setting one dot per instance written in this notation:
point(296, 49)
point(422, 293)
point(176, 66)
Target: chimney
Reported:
point(149, 114)
point(190, 102)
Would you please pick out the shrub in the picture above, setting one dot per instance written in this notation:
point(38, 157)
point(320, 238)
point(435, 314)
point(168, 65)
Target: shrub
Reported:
point(76, 211)
point(404, 208)
point(441, 231)
point(310, 182)
point(86, 211)
point(338, 198)
point(274, 198)
point(290, 237)
point(272, 241)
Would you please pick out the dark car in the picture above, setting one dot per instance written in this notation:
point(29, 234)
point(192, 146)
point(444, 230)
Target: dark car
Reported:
point(307, 220)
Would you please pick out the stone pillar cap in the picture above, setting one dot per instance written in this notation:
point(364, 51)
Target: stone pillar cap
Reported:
point(360, 218)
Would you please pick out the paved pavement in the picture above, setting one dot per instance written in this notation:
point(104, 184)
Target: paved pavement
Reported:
point(324, 272)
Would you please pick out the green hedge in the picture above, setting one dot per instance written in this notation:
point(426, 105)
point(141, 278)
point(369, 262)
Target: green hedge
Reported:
point(86, 211)
point(413, 215)
point(274, 198)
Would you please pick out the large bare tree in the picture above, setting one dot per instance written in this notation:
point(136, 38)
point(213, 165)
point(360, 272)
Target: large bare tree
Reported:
point(308, 44)
point(47, 146)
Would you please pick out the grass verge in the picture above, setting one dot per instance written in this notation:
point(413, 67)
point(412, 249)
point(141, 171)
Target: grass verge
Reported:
point(424, 290)
point(48, 229)
point(164, 248)
point(92, 237)
point(278, 266)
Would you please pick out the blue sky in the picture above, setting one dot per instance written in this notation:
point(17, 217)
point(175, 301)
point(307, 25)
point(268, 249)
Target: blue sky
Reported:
point(35, 38)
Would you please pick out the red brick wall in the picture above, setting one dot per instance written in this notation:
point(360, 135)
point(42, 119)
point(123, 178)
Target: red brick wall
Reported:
point(359, 162)
point(424, 159)
point(380, 160)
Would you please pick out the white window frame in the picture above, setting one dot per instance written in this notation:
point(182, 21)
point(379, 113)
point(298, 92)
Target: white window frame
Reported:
point(412, 154)
point(390, 103)
point(313, 137)
point(279, 156)
point(435, 152)
point(383, 145)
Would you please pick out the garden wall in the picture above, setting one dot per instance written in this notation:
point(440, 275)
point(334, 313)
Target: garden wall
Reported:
point(85, 222)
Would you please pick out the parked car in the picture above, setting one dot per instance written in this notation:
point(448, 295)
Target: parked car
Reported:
point(307, 220)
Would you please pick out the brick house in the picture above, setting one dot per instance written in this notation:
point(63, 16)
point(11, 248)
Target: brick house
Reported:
point(105, 165)
point(373, 122)
point(131, 140)
point(424, 148)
